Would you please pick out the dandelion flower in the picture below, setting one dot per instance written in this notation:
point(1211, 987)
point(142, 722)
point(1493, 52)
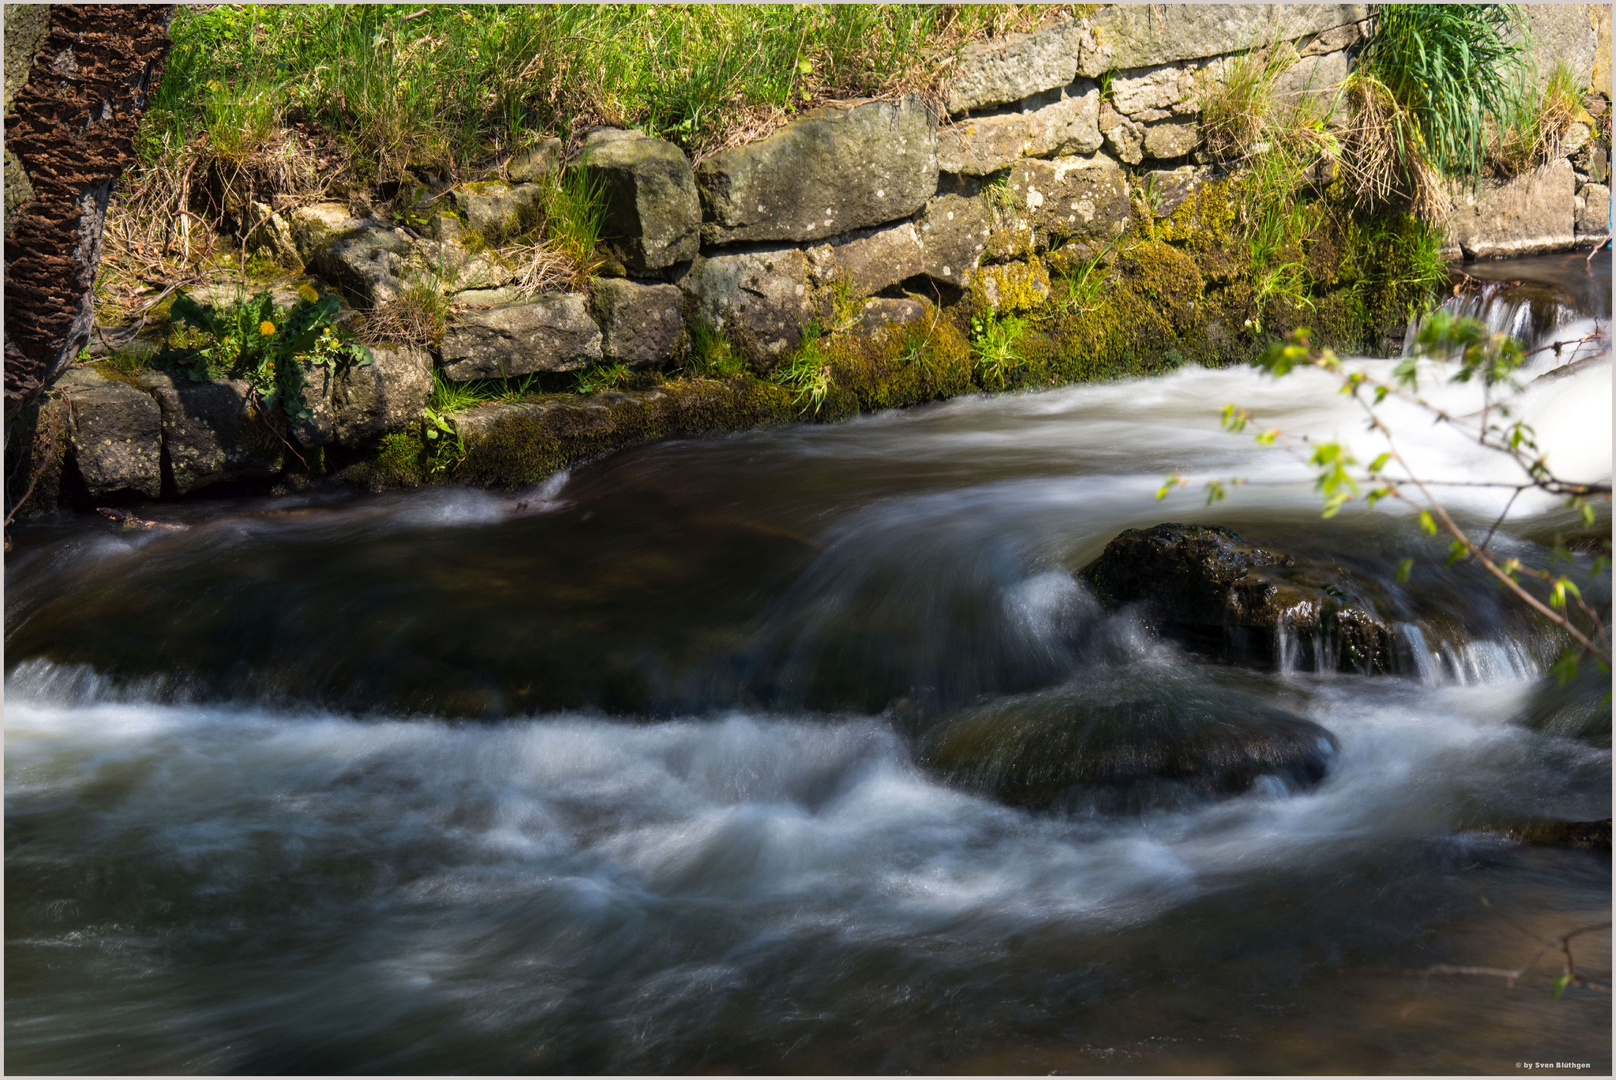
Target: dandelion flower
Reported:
point(266, 328)
point(307, 292)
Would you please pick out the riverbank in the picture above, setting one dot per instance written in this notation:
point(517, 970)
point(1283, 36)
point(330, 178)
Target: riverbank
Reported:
point(1095, 198)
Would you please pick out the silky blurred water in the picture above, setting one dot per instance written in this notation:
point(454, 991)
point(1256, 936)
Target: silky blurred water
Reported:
point(618, 776)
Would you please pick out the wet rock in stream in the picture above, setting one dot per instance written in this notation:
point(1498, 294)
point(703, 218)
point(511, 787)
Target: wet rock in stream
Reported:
point(1218, 594)
point(1127, 742)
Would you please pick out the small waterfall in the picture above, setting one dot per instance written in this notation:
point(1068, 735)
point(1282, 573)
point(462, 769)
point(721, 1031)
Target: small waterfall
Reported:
point(1527, 311)
point(1471, 663)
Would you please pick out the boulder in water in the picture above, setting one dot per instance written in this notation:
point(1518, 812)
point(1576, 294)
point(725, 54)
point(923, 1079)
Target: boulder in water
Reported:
point(1126, 742)
point(1207, 587)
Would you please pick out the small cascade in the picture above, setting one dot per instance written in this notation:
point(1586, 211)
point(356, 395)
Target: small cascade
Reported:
point(1467, 664)
point(1527, 311)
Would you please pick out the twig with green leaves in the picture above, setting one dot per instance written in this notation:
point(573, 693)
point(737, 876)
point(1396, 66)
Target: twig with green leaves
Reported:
point(1493, 361)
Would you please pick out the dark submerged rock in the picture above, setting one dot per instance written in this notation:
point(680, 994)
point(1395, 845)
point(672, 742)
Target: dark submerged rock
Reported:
point(1210, 589)
point(1125, 743)
point(1576, 709)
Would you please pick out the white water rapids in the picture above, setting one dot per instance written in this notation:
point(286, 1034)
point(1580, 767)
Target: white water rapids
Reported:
point(207, 880)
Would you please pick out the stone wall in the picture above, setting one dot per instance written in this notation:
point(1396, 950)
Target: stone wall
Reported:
point(1048, 144)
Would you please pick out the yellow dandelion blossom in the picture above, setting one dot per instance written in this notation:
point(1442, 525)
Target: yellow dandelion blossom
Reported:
point(266, 328)
point(307, 292)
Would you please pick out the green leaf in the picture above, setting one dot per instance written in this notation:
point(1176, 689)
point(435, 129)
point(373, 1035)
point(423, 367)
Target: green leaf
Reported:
point(1380, 462)
point(1457, 550)
point(1559, 985)
point(1428, 523)
point(1404, 569)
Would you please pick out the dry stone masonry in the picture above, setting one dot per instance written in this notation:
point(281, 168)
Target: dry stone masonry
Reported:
point(1050, 146)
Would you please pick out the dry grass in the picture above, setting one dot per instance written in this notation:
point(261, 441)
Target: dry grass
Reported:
point(546, 268)
point(1534, 132)
point(1385, 156)
point(416, 317)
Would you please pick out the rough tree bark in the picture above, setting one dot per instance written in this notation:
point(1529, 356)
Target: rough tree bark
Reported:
point(77, 77)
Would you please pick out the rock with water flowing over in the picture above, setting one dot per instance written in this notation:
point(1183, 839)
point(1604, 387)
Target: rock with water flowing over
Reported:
point(1207, 587)
point(1127, 741)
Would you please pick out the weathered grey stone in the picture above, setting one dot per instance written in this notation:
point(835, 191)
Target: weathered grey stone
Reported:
point(1526, 214)
point(534, 163)
point(833, 170)
point(1168, 188)
point(367, 263)
point(1152, 89)
point(215, 431)
point(314, 226)
point(869, 260)
point(1335, 39)
point(1316, 77)
point(1126, 36)
point(496, 210)
point(881, 312)
point(1564, 34)
point(494, 335)
point(315, 429)
point(1123, 138)
point(640, 324)
point(1593, 216)
point(761, 296)
point(1171, 140)
point(274, 238)
point(1599, 81)
point(1014, 67)
point(1064, 121)
point(115, 434)
point(1072, 198)
point(954, 231)
point(653, 216)
point(382, 396)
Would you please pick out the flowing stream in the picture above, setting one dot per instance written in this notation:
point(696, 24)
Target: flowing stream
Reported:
point(621, 774)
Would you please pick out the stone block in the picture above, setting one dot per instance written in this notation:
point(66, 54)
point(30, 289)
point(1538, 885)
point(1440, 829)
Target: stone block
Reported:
point(1565, 34)
point(1593, 211)
point(1072, 198)
point(954, 231)
point(762, 296)
point(869, 260)
point(881, 312)
point(1014, 67)
point(1064, 121)
point(1124, 139)
point(367, 263)
point(1012, 287)
point(114, 434)
point(829, 172)
point(1125, 36)
point(1526, 214)
point(383, 396)
point(535, 163)
point(215, 432)
point(314, 226)
point(1167, 139)
point(1168, 188)
point(640, 325)
point(496, 210)
point(494, 334)
point(653, 216)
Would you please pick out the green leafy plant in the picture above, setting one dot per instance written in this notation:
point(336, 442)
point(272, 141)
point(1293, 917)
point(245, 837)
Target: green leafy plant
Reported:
point(1492, 363)
point(808, 372)
point(1428, 84)
point(257, 340)
point(996, 348)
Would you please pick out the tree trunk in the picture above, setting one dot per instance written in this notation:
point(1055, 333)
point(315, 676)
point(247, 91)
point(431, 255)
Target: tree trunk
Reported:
point(77, 77)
